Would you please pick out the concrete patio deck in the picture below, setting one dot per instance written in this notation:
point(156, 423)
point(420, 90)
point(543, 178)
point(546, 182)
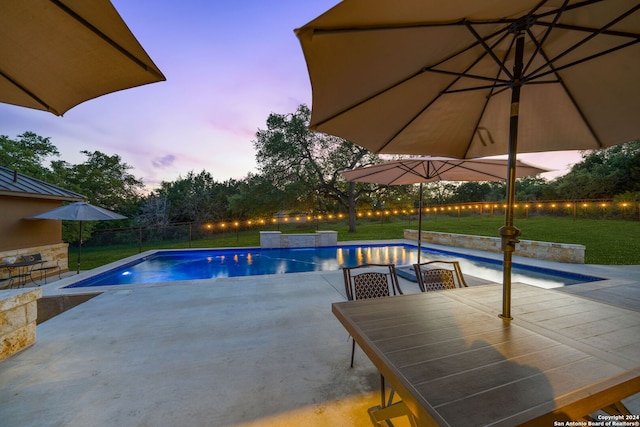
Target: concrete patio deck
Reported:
point(252, 351)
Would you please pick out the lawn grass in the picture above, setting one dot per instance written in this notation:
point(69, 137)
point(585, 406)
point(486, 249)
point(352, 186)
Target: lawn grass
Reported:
point(609, 242)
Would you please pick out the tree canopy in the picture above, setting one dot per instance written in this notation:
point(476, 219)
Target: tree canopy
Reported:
point(305, 165)
point(603, 173)
point(27, 154)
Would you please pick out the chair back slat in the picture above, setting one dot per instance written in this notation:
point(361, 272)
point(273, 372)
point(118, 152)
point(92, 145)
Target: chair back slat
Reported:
point(370, 285)
point(438, 279)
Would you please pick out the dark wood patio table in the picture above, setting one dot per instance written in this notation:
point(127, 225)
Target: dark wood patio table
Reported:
point(454, 362)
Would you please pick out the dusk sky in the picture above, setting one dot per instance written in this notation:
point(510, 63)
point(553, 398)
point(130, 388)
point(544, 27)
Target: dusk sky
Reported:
point(228, 66)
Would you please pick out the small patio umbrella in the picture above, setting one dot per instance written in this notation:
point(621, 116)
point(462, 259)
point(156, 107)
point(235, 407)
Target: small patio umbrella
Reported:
point(56, 54)
point(418, 170)
point(79, 211)
point(470, 79)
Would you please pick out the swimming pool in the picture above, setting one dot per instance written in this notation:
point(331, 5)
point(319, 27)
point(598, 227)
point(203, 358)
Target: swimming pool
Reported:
point(170, 266)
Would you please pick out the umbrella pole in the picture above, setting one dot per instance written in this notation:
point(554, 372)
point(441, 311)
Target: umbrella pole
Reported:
point(420, 223)
point(79, 248)
point(508, 232)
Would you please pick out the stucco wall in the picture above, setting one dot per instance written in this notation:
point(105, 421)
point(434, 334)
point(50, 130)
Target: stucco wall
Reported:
point(16, 232)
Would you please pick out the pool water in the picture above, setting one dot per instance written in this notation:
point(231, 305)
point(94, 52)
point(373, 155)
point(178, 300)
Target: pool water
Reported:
point(170, 266)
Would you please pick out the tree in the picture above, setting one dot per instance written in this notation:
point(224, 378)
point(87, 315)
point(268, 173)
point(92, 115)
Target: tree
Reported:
point(603, 173)
point(471, 191)
point(306, 165)
point(27, 154)
point(256, 197)
point(154, 210)
point(196, 198)
point(105, 181)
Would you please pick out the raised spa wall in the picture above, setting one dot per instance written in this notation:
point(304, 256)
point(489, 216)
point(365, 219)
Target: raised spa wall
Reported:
point(275, 239)
point(558, 252)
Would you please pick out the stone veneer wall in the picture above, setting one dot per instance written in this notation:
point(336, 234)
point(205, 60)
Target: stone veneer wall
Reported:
point(275, 239)
point(558, 252)
point(18, 314)
point(56, 253)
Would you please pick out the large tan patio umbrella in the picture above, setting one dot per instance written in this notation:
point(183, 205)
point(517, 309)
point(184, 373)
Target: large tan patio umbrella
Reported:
point(79, 211)
point(468, 79)
point(55, 54)
point(418, 170)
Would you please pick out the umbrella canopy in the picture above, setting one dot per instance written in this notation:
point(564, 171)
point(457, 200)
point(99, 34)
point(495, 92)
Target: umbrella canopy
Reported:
point(428, 169)
point(432, 76)
point(470, 79)
point(56, 54)
point(79, 211)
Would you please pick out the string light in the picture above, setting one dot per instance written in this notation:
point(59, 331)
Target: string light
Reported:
point(468, 207)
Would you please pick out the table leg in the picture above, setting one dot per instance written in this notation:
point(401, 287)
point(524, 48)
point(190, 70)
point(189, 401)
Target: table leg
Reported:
point(379, 415)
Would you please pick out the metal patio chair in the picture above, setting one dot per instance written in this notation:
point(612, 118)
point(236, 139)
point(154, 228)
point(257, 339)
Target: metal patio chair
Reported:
point(439, 275)
point(368, 281)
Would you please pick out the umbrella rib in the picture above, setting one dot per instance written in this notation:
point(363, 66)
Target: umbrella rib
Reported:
point(492, 92)
point(593, 30)
point(514, 28)
point(570, 95)
point(489, 50)
point(30, 94)
point(408, 78)
point(585, 59)
point(445, 90)
point(104, 37)
point(466, 167)
point(390, 26)
point(593, 33)
point(502, 82)
point(461, 51)
point(414, 170)
point(556, 18)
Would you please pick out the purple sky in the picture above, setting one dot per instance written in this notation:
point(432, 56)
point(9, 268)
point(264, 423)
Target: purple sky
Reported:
point(228, 66)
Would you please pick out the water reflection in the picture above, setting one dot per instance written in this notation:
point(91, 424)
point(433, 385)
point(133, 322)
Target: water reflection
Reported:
point(170, 266)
